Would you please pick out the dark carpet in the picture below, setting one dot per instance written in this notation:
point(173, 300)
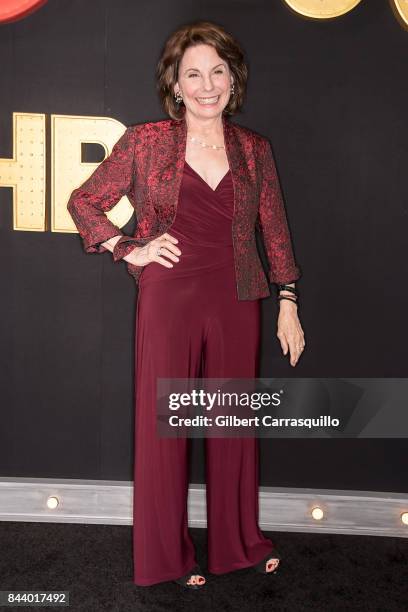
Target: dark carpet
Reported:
point(94, 563)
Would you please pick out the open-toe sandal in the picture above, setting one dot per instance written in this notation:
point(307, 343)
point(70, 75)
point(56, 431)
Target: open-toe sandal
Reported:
point(261, 566)
point(196, 571)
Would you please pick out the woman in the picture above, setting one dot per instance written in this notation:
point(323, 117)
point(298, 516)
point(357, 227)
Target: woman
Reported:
point(200, 186)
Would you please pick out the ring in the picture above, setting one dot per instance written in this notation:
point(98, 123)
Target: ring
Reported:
point(158, 251)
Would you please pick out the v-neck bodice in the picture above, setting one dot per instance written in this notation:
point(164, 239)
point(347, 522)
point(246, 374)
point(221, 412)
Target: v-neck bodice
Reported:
point(203, 227)
point(199, 176)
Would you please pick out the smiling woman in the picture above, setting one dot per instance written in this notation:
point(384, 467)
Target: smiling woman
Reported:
point(210, 184)
point(201, 79)
point(226, 60)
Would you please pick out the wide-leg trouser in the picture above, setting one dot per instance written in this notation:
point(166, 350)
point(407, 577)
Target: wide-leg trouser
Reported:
point(189, 328)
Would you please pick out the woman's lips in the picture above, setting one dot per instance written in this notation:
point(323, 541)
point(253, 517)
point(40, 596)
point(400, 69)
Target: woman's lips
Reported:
point(212, 101)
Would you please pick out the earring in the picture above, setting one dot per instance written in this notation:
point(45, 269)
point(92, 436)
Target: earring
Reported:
point(178, 97)
point(232, 88)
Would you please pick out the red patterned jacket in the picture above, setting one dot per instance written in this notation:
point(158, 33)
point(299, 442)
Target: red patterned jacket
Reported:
point(147, 164)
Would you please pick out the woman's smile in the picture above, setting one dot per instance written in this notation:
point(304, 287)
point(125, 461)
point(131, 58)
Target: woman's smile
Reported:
point(208, 101)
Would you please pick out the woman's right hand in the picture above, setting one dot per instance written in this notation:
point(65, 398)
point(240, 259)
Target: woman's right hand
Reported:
point(141, 256)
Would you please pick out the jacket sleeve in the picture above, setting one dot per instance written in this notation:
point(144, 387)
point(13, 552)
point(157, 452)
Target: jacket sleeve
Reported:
point(273, 224)
point(100, 192)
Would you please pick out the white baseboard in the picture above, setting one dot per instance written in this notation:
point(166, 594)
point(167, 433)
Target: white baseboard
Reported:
point(280, 509)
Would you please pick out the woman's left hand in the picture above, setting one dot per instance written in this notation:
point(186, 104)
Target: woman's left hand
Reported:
point(290, 332)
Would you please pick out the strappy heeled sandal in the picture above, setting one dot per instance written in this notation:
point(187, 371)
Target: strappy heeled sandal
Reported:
point(261, 566)
point(184, 579)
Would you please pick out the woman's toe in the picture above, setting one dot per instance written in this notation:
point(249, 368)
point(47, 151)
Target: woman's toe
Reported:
point(196, 579)
point(272, 564)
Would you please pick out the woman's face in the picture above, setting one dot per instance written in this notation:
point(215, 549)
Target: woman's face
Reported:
point(204, 80)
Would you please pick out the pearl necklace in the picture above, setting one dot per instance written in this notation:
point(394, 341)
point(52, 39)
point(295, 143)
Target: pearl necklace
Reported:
point(203, 144)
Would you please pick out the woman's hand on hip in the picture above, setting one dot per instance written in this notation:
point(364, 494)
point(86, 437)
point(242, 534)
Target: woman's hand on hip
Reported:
point(290, 332)
point(141, 256)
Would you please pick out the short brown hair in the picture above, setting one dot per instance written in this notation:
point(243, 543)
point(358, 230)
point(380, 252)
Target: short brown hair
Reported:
point(200, 32)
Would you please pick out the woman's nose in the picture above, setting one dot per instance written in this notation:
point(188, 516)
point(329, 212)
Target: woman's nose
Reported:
point(208, 86)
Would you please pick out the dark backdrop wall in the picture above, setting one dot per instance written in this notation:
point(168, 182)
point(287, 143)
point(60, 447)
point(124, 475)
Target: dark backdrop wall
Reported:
point(332, 97)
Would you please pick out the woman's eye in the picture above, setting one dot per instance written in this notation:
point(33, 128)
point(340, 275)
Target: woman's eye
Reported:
point(193, 74)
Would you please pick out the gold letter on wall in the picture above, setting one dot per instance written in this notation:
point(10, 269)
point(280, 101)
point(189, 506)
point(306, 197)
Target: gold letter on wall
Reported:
point(25, 172)
point(68, 132)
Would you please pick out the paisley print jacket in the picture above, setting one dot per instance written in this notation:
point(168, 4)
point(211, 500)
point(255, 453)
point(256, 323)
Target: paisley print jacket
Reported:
point(147, 164)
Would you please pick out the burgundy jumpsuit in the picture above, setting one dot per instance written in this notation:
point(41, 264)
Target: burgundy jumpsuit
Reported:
point(190, 323)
